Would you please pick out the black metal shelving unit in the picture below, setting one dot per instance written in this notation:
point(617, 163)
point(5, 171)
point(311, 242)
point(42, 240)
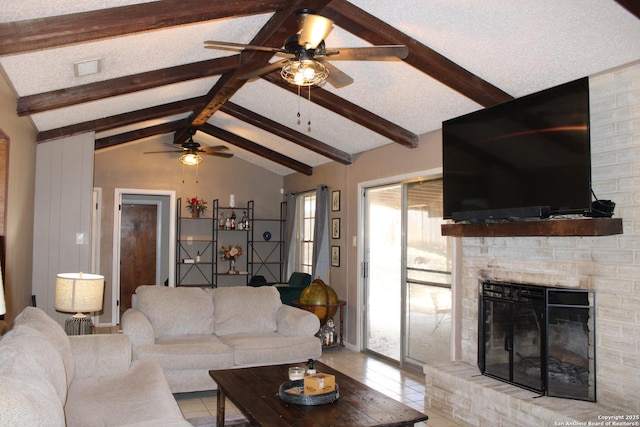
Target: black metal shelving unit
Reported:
point(204, 235)
point(266, 256)
point(194, 236)
point(231, 237)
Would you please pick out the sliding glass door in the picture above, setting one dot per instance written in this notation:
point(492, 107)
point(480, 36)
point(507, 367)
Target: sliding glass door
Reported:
point(428, 276)
point(383, 289)
point(408, 280)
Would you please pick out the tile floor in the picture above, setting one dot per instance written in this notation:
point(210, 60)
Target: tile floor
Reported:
point(407, 387)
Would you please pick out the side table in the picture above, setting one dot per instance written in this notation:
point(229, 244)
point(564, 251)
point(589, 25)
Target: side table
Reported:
point(340, 304)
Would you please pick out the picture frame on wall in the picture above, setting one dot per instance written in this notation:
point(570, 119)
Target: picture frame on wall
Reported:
point(335, 228)
point(335, 201)
point(335, 256)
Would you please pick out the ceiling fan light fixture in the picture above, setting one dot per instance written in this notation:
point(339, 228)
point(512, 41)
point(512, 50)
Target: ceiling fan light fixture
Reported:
point(191, 159)
point(304, 72)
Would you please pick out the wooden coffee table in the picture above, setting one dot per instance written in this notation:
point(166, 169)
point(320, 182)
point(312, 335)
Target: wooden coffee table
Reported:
point(255, 392)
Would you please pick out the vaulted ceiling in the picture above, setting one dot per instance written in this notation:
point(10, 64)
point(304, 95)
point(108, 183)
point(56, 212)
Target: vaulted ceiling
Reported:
point(157, 80)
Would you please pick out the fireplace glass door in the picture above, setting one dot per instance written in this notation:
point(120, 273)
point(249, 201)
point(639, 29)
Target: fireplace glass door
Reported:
point(513, 336)
point(538, 338)
point(571, 337)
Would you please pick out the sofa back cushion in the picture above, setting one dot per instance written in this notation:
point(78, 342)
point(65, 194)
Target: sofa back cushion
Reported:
point(51, 330)
point(25, 353)
point(245, 309)
point(176, 311)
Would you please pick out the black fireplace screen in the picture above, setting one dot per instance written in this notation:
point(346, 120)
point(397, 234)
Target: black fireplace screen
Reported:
point(538, 338)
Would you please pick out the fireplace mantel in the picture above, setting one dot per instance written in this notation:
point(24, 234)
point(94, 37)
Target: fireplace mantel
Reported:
point(547, 227)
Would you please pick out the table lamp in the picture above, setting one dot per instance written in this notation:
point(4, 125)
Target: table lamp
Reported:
point(78, 292)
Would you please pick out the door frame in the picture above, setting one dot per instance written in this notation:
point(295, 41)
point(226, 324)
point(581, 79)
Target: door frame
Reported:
point(118, 196)
point(96, 233)
point(361, 253)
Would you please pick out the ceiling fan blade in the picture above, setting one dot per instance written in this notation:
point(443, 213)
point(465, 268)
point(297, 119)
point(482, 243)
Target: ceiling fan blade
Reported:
point(375, 53)
point(219, 154)
point(337, 78)
point(314, 29)
point(263, 70)
point(214, 149)
point(211, 44)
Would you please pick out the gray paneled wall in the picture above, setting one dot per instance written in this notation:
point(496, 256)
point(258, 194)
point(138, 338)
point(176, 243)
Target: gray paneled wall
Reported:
point(63, 207)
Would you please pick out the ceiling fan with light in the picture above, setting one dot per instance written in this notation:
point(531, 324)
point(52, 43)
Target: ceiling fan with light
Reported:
point(191, 151)
point(306, 63)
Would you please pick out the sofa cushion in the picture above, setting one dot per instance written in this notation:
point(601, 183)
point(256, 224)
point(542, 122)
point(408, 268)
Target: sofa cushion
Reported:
point(272, 348)
point(141, 395)
point(24, 352)
point(51, 331)
point(29, 401)
point(188, 352)
point(176, 311)
point(245, 309)
point(101, 355)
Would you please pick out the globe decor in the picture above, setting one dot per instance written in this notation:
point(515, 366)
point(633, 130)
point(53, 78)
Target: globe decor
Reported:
point(318, 298)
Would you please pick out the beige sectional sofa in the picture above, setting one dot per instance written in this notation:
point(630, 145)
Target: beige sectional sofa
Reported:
point(190, 331)
point(49, 379)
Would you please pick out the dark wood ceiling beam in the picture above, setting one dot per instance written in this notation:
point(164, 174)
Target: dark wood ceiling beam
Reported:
point(147, 132)
point(353, 112)
point(38, 103)
point(124, 119)
point(377, 32)
point(632, 6)
point(55, 31)
point(274, 33)
point(258, 149)
point(276, 128)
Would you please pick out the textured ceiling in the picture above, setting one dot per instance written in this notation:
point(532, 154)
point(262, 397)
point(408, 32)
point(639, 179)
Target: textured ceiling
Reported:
point(519, 47)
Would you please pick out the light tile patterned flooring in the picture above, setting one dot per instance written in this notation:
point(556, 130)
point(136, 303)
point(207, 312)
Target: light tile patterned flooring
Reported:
point(402, 385)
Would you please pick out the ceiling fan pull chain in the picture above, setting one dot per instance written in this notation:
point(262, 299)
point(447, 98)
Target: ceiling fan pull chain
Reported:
point(309, 112)
point(298, 106)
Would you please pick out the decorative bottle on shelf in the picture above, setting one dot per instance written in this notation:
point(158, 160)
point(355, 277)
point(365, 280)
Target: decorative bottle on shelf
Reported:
point(227, 223)
point(221, 221)
point(198, 257)
point(245, 221)
point(233, 220)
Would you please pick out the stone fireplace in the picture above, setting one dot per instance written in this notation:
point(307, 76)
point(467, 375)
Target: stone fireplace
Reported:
point(608, 266)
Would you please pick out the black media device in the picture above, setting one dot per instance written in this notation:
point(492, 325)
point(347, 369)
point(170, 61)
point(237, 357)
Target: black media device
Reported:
point(525, 158)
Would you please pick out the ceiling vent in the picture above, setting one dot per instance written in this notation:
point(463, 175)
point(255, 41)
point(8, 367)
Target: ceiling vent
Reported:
point(88, 67)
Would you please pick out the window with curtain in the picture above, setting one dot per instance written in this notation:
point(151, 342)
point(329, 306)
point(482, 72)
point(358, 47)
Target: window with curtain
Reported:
point(306, 219)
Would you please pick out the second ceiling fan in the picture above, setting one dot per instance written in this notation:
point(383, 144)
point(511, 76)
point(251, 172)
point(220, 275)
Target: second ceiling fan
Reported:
point(190, 151)
point(306, 54)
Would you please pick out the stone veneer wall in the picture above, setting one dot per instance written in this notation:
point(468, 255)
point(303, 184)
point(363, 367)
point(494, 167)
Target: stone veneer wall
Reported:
point(609, 265)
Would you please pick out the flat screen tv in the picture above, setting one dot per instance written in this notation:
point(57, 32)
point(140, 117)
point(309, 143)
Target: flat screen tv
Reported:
point(525, 158)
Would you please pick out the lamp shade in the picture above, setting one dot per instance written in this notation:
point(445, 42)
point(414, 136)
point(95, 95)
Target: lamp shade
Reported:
point(78, 292)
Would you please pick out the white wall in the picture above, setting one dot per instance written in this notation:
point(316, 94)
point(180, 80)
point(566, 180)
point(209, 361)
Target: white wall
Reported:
point(19, 210)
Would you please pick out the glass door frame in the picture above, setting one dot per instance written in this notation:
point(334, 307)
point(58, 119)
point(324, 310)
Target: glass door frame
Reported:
point(365, 279)
point(362, 296)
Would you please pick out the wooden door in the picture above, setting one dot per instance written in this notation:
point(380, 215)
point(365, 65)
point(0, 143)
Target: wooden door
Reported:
point(138, 246)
